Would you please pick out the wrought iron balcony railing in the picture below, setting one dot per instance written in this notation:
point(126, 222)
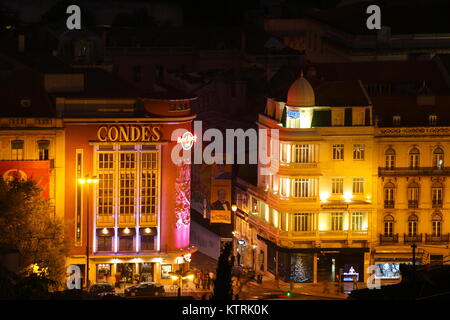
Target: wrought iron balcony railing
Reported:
point(412, 204)
point(412, 238)
point(429, 238)
point(412, 171)
point(391, 238)
point(389, 203)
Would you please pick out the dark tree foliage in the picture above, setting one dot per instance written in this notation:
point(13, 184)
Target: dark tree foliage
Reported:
point(222, 284)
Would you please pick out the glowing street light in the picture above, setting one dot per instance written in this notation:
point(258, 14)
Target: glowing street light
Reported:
point(180, 276)
point(89, 181)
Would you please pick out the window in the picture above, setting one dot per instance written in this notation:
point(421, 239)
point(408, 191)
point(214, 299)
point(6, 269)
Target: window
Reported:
point(412, 225)
point(432, 119)
point(437, 190)
point(337, 186)
point(357, 221)
point(43, 146)
point(389, 195)
point(285, 187)
point(126, 243)
point(302, 221)
point(133, 176)
point(413, 195)
point(338, 152)
point(389, 226)
point(414, 158)
point(304, 188)
point(396, 120)
point(358, 185)
point(303, 153)
point(358, 152)
point(17, 150)
point(285, 153)
point(337, 219)
point(438, 158)
point(104, 243)
point(436, 225)
point(147, 242)
point(390, 158)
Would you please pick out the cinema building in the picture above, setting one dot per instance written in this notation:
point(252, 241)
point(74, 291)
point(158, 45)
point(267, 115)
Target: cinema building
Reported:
point(309, 221)
point(133, 207)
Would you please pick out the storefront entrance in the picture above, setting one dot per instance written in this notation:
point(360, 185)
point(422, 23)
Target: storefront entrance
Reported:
point(103, 272)
point(146, 272)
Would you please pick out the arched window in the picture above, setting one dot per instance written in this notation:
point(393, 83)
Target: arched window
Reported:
point(390, 158)
point(389, 199)
point(414, 158)
point(436, 224)
point(437, 194)
point(388, 226)
point(438, 158)
point(413, 195)
point(412, 225)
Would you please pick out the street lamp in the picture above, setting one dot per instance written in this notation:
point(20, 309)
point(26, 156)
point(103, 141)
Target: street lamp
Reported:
point(89, 181)
point(180, 276)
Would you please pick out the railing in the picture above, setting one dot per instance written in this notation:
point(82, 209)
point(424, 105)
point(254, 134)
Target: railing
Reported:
point(409, 171)
point(429, 238)
point(389, 238)
point(413, 238)
point(437, 203)
point(389, 203)
point(299, 165)
point(412, 204)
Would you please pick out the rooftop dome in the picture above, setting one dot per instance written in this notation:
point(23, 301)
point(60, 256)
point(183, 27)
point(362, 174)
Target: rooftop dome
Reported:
point(301, 94)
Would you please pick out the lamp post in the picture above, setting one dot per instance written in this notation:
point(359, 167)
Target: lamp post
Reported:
point(180, 276)
point(89, 181)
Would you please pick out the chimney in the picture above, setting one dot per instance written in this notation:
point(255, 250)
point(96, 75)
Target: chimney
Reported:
point(21, 43)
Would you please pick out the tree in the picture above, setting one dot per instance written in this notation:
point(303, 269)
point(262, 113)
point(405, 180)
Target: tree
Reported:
point(222, 284)
point(27, 225)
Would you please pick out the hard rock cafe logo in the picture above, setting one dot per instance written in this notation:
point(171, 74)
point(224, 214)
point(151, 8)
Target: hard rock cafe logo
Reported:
point(10, 174)
point(187, 140)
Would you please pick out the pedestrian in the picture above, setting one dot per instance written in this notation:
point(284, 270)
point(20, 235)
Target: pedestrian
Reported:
point(355, 283)
point(203, 281)
point(208, 281)
point(197, 281)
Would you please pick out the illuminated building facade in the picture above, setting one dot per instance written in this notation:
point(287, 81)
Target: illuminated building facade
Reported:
point(310, 220)
point(139, 213)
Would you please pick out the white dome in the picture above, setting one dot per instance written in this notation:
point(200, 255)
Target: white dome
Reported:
point(301, 94)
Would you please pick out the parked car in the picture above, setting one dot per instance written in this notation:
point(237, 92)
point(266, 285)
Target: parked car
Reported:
point(102, 289)
point(145, 289)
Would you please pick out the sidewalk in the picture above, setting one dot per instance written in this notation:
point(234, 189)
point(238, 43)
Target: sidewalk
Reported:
point(313, 289)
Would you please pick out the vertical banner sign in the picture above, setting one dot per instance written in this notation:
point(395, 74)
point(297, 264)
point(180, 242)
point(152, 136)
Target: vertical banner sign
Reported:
point(221, 194)
point(38, 171)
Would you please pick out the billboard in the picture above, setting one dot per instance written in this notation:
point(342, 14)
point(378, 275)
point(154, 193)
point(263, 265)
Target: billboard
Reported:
point(38, 171)
point(221, 194)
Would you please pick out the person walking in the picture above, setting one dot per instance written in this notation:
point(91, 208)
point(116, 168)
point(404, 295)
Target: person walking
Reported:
point(208, 281)
point(203, 281)
point(200, 278)
point(197, 281)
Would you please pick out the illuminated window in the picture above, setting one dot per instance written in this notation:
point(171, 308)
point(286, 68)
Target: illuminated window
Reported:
point(358, 185)
point(390, 158)
point(412, 225)
point(438, 158)
point(413, 195)
point(304, 188)
point(389, 195)
point(43, 146)
point(17, 150)
point(432, 119)
point(127, 173)
point(437, 190)
point(414, 158)
point(396, 120)
point(149, 186)
point(337, 219)
point(358, 151)
point(303, 153)
point(105, 185)
point(389, 226)
point(302, 221)
point(436, 225)
point(337, 186)
point(357, 221)
point(338, 152)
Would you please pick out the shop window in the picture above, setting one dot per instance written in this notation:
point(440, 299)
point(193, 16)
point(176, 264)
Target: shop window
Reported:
point(43, 147)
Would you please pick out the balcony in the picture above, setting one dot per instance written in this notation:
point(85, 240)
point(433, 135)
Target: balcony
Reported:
point(388, 204)
point(410, 239)
point(389, 238)
point(429, 238)
point(299, 165)
point(413, 204)
point(437, 203)
point(408, 171)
